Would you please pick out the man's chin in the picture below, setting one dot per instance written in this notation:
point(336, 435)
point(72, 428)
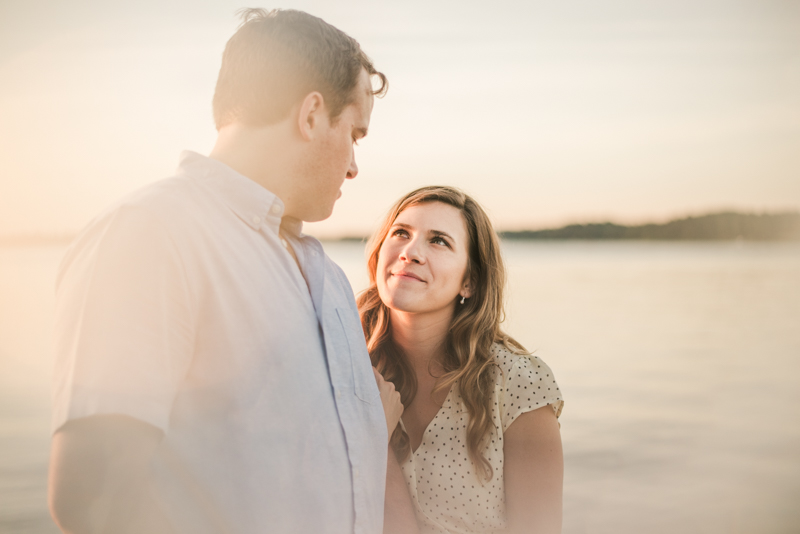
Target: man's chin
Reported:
point(318, 215)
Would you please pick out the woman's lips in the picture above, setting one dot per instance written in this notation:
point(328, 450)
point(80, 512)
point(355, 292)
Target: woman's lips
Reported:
point(407, 276)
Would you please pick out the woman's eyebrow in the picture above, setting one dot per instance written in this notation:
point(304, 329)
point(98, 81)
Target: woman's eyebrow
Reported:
point(439, 233)
point(436, 233)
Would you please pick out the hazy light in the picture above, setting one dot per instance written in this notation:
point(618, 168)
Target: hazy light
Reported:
point(546, 113)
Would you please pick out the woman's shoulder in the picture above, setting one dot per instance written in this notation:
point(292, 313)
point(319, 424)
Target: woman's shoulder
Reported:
point(510, 359)
point(523, 382)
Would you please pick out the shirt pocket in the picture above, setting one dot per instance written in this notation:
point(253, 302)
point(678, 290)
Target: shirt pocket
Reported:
point(364, 384)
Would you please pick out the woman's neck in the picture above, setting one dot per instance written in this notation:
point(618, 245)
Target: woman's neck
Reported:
point(421, 336)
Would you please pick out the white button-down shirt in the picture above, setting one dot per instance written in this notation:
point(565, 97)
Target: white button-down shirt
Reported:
point(181, 307)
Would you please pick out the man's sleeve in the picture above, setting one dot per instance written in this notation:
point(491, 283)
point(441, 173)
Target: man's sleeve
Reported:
point(124, 325)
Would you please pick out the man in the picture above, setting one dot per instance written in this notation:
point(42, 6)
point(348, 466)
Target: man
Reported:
point(211, 370)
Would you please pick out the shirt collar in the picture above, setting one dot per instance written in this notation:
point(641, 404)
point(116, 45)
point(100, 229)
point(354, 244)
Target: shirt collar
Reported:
point(253, 203)
point(292, 226)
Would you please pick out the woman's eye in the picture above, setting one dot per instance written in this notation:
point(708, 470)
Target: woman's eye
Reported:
point(400, 233)
point(440, 241)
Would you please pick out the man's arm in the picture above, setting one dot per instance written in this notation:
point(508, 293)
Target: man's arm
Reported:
point(98, 475)
point(398, 512)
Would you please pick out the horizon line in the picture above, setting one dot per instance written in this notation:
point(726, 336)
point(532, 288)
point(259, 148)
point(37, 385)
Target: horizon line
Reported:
point(41, 238)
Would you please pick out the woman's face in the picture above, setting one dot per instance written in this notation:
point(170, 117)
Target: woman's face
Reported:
point(423, 260)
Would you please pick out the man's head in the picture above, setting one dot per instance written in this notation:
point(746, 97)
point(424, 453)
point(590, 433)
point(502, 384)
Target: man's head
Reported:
point(278, 57)
point(294, 95)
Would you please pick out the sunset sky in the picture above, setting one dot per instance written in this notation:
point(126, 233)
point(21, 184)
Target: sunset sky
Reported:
point(547, 112)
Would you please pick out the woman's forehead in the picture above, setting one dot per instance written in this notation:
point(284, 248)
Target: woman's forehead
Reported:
point(432, 213)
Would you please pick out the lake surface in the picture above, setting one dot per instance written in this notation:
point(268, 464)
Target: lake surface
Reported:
point(679, 363)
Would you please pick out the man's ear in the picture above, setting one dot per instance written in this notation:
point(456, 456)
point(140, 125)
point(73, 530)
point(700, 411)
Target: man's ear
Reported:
point(312, 111)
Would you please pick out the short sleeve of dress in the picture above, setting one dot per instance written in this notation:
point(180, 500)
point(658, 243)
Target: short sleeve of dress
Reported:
point(529, 385)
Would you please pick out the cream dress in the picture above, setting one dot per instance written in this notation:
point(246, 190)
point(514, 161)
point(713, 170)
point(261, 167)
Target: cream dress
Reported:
point(448, 496)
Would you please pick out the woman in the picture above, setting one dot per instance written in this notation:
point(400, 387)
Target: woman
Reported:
point(479, 441)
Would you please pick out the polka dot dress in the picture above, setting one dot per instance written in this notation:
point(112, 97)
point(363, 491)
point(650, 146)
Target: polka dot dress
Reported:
point(448, 496)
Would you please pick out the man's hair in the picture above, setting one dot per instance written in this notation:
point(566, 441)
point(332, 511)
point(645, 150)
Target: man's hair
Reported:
point(278, 57)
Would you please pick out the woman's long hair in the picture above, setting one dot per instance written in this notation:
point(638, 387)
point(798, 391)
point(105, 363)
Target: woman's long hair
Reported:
point(467, 357)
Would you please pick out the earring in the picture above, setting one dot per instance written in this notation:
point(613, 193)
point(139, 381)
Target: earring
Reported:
point(462, 299)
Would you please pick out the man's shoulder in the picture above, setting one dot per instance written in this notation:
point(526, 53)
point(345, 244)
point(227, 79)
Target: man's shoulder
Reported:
point(169, 204)
point(162, 210)
point(168, 197)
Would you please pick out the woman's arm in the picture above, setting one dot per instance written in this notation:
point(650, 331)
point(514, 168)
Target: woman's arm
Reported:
point(398, 513)
point(534, 472)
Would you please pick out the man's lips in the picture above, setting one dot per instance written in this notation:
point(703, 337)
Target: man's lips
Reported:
point(407, 275)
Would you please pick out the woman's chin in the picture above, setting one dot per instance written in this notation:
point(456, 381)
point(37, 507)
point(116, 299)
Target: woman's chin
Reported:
point(414, 306)
point(400, 304)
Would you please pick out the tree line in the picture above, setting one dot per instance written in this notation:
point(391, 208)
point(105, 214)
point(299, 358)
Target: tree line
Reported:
point(715, 226)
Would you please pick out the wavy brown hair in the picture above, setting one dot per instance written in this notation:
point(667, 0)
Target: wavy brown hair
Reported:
point(466, 355)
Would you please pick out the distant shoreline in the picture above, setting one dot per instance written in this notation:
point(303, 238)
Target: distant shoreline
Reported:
point(724, 226)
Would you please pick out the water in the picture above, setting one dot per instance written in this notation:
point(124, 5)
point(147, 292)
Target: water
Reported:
point(26, 312)
point(679, 363)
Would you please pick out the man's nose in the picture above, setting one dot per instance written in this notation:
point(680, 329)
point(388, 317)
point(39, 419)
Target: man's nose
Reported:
point(353, 169)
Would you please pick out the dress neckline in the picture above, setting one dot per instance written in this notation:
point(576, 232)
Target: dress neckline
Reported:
point(447, 401)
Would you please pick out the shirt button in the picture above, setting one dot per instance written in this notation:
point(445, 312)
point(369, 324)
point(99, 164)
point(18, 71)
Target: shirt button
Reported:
point(256, 219)
point(355, 473)
point(275, 209)
point(338, 394)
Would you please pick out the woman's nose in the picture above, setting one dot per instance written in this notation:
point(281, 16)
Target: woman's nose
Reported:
point(411, 252)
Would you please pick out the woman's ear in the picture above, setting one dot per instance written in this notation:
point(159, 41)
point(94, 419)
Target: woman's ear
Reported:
point(311, 113)
point(466, 290)
point(466, 287)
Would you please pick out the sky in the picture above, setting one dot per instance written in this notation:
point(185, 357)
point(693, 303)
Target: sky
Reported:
point(548, 113)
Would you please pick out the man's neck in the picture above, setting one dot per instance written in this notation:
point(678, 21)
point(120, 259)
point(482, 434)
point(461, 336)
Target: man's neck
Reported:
point(263, 154)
